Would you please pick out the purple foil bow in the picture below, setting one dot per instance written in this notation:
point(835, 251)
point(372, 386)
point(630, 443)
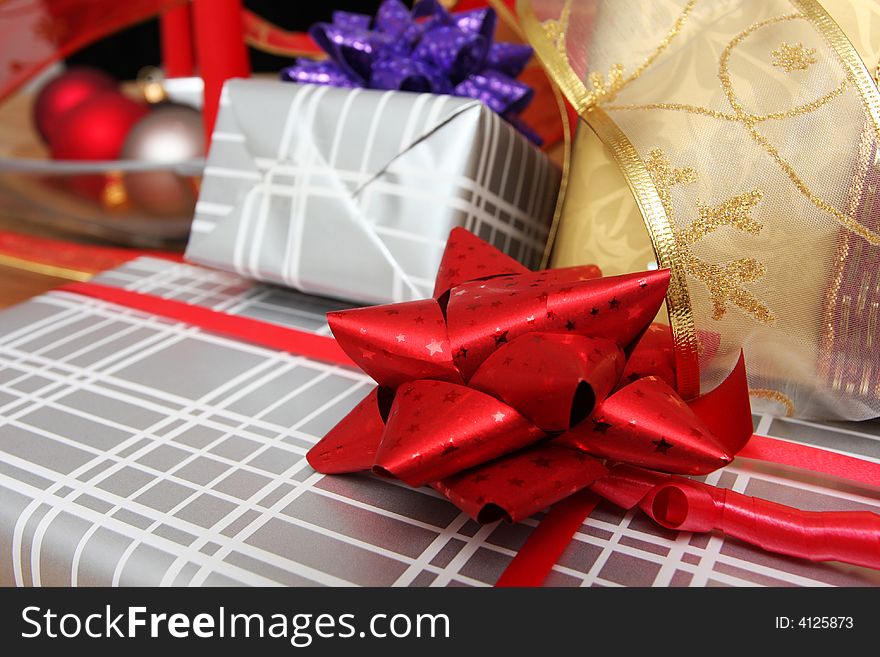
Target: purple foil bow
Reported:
point(425, 50)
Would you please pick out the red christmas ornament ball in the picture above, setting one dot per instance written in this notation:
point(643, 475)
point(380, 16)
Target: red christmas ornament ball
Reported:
point(65, 92)
point(96, 128)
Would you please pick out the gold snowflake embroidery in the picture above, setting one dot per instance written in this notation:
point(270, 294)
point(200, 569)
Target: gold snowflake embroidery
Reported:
point(723, 281)
point(554, 30)
point(793, 57)
point(605, 87)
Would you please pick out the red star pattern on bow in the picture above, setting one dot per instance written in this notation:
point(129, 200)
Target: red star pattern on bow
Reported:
point(509, 389)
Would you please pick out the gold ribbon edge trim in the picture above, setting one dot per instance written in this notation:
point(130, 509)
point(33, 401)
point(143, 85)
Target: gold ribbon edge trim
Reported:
point(678, 305)
point(46, 270)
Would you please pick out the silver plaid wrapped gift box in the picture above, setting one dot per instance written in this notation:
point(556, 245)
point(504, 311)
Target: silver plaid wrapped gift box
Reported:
point(351, 193)
point(139, 450)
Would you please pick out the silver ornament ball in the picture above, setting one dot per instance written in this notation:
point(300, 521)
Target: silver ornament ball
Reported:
point(169, 134)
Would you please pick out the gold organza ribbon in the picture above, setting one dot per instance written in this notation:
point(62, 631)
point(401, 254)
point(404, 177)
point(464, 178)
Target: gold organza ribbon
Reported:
point(744, 133)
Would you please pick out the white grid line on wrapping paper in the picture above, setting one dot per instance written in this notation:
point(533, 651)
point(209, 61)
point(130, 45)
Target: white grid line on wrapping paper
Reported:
point(343, 120)
point(461, 559)
point(477, 187)
point(289, 275)
point(408, 133)
point(477, 215)
point(533, 191)
point(475, 208)
point(305, 189)
point(110, 311)
point(259, 495)
point(29, 336)
point(164, 338)
point(396, 189)
point(518, 202)
point(612, 545)
point(242, 535)
point(302, 192)
point(101, 520)
point(384, 97)
point(305, 183)
point(485, 217)
point(302, 186)
point(473, 545)
point(670, 565)
point(503, 185)
point(204, 207)
point(198, 411)
point(470, 219)
point(430, 552)
point(159, 519)
point(197, 415)
point(230, 293)
point(258, 301)
point(226, 172)
point(266, 180)
point(235, 467)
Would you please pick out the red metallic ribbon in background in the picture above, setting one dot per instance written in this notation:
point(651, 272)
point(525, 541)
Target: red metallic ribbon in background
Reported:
point(511, 390)
point(220, 50)
point(175, 29)
point(36, 33)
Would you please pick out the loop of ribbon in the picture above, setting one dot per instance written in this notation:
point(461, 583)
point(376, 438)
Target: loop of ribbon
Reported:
point(424, 50)
point(510, 390)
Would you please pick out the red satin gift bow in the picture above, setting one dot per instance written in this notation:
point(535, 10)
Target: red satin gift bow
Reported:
point(501, 391)
point(493, 416)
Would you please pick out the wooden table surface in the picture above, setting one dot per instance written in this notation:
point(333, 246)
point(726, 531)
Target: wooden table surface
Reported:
point(17, 139)
point(19, 281)
point(17, 285)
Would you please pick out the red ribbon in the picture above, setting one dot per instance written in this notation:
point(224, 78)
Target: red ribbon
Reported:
point(545, 545)
point(82, 258)
point(687, 505)
point(36, 33)
point(300, 343)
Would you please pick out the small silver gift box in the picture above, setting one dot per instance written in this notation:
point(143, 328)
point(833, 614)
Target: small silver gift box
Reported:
point(351, 193)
